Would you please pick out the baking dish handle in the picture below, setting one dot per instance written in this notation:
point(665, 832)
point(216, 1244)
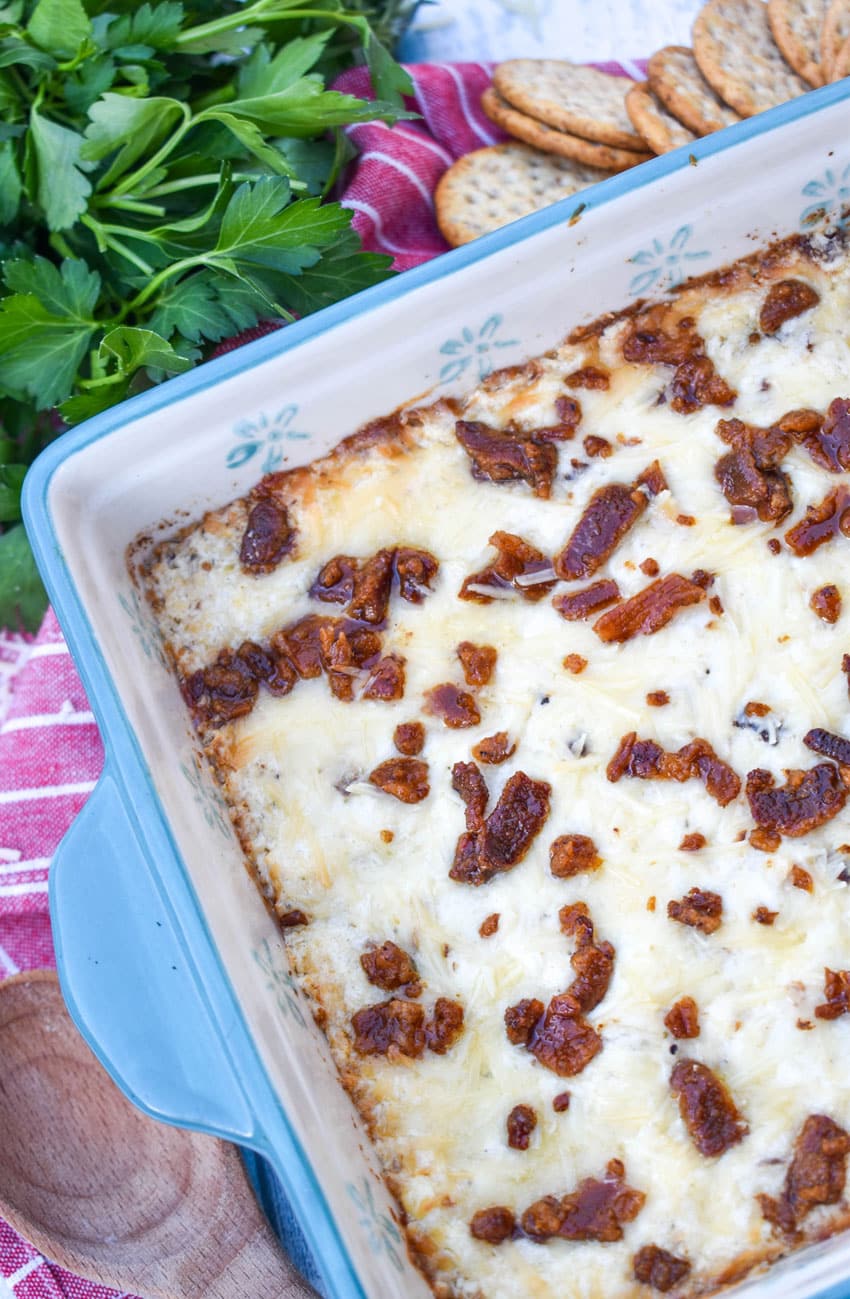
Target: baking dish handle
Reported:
point(129, 981)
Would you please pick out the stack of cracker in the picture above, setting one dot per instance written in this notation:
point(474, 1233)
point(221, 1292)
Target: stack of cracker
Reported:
point(574, 125)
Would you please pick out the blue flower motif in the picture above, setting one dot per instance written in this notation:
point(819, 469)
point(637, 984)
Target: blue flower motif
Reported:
point(474, 348)
point(207, 796)
point(383, 1233)
point(831, 193)
point(666, 265)
point(144, 628)
point(281, 982)
point(264, 431)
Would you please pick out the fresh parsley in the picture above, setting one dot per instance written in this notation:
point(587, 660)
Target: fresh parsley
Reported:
point(166, 172)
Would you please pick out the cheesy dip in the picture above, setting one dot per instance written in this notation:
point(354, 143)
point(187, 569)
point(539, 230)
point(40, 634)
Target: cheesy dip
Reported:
point(531, 710)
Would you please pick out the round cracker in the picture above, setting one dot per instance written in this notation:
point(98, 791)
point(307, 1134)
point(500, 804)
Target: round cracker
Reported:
point(570, 97)
point(661, 130)
point(547, 138)
point(841, 63)
point(834, 34)
point(738, 57)
point(676, 80)
point(491, 187)
point(796, 27)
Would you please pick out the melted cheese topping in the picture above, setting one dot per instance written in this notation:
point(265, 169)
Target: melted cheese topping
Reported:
point(296, 771)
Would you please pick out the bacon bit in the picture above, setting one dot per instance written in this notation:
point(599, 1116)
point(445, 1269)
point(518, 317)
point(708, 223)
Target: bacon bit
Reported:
point(682, 1019)
point(650, 567)
point(445, 1025)
point(609, 514)
point(515, 559)
point(568, 414)
point(572, 853)
point(522, 1121)
point(762, 916)
point(765, 840)
point(693, 842)
point(801, 879)
point(575, 663)
point(653, 338)
point(387, 836)
point(222, 692)
point(696, 383)
point(648, 611)
point(754, 708)
point(807, 799)
point(488, 927)
point(821, 523)
point(521, 1019)
point(346, 647)
point(829, 443)
point(593, 962)
point(786, 299)
point(390, 1027)
point(494, 749)
point(686, 520)
point(504, 455)
point(389, 967)
point(653, 480)
point(646, 760)
point(409, 738)
point(804, 1025)
point(715, 604)
point(578, 605)
point(300, 643)
point(493, 1225)
point(387, 678)
point(659, 1268)
point(658, 698)
point(373, 578)
point(829, 745)
point(457, 708)
point(589, 376)
point(335, 583)
point(816, 1174)
point(749, 475)
point(276, 674)
point(293, 919)
point(468, 782)
point(477, 661)
point(404, 778)
point(836, 989)
point(650, 903)
point(707, 1108)
point(502, 841)
point(415, 570)
point(596, 1210)
point(595, 446)
point(826, 603)
point(268, 537)
point(561, 1102)
point(774, 546)
point(700, 909)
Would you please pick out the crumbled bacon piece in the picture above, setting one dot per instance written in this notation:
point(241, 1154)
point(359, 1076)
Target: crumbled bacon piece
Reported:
point(563, 1041)
point(493, 1225)
point(806, 800)
point(577, 605)
point(821, 522)
point(489, 925)
point(504, 455)
point(300, 643)
point(589, 376)
point(575, 663)
point(386, 680)
point(763, 916)
point(521, 1019)
point(658, 698)
point(342, 650)
point(456, 707)
point(646, 760)
point(650, 610)
point(572, 853)
point(692, 842)
point(836, 989)
point(826, 603)
point(815, 1176)
point(470, 784)
point(596, 1210)
point(786, 299)
point(765, 840)
point(699, 908)
point(609, 514)
point(477, 661)
point(829, 444)
point(594, 964)
point(568, 414)
point(682, 1019)
point(516, 559)
point(389, 967)
point(269, 536)
point(828, 745)
point(707, 1108)
point(276, 674)
point(750, 476)
point(404, 778)
point(409, 738)
point(222, 692)
point(522, 1121)
point(561, 1102)
point(801, 879)
point(414, 570)
point(696, 383)
point(650, 567)
point(655, 338)
point(654, 481)
point(370, 599)
point(293, 919)
point(504, 838)
point(754, 708)
point(389, 1027)
point(597, 447)
point(444, 1026)
point(335, 583)
point(494, 749)
point(659, 1268)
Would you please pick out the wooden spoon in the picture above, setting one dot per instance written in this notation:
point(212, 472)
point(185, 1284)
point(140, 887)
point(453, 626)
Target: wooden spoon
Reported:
point(109, 1193)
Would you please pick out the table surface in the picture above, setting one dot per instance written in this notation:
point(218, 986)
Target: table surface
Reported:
point(580, 30)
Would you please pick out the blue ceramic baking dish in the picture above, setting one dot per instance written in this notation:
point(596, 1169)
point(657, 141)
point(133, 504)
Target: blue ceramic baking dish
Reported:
point(169, 962)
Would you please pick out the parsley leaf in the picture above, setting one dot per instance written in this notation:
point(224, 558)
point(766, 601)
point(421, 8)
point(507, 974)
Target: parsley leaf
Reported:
point(61, 189)
point(22, 597)
point(59, 26)
point(43, 342)
point(11, 482)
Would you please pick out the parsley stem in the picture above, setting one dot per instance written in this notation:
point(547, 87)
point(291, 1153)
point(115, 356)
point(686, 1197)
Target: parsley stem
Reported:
point(176, 268)
point(106, 238)
point(130, 205)
point(131, 181)
point(264, 11)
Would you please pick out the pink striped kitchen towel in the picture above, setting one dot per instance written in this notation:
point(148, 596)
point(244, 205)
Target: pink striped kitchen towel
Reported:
point(50, 751)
